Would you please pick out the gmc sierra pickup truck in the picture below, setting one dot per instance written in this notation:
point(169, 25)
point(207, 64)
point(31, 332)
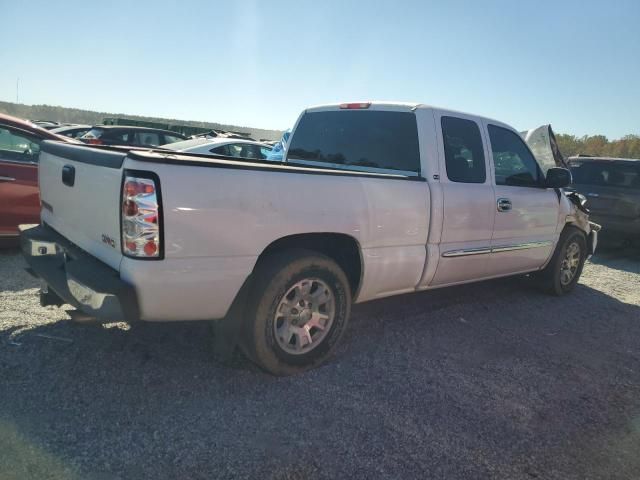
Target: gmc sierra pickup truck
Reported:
point(370, 200)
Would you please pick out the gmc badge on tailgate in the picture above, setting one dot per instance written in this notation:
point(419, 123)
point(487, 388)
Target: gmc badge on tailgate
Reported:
point(108, 240)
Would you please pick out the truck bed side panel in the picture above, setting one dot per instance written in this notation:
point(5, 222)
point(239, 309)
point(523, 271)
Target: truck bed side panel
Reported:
point(219, 220)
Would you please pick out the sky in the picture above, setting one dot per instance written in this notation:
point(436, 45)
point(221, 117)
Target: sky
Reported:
point(574, 64)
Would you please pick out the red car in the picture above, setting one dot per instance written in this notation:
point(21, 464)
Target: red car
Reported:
point(19, 194)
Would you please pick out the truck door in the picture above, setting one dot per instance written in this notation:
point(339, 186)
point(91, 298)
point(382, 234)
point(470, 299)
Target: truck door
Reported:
point(468, 200)
point(526, 212)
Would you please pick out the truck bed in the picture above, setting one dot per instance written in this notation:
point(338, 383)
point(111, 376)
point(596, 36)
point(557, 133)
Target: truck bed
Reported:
point(219, 215)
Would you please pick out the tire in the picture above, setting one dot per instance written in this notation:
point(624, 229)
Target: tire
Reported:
point(284, 332)
point(563, 271)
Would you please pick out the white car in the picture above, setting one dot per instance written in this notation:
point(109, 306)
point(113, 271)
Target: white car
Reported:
point(371, 200)
point(227, 147)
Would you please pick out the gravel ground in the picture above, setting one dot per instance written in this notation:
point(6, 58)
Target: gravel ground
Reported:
point(492, 380)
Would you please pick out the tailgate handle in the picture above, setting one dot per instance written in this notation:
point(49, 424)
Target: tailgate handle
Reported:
point(68, 175)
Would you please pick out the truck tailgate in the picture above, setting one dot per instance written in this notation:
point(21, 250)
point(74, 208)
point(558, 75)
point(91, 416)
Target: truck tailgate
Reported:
point(80, 189)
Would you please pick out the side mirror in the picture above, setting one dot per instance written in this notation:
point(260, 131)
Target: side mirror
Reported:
point(558, 178)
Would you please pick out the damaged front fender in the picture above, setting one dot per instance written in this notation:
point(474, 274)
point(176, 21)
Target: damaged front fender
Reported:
point(544, 146)
point(579, 217)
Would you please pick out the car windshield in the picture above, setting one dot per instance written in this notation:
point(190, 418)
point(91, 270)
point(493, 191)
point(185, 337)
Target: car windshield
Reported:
point(607, 174)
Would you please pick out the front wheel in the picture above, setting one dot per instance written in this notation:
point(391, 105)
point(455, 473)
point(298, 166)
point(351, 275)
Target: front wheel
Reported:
point(298, 309)
point(562, 273)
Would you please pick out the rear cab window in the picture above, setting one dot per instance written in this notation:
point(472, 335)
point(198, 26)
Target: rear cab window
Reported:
point(361, 140)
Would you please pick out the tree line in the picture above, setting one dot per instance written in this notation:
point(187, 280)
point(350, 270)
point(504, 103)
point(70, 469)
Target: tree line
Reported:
point(599, 145)
point(89, 117)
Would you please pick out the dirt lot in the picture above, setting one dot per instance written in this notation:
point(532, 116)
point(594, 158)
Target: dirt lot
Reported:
point(493, 380)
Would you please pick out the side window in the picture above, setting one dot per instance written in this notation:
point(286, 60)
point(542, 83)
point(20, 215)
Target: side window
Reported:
point(118, 137)
point(146, 139)
point(222, 150)
point(17, 147)
point(250, 151)
point(463, 150)
point(234, 150)
point(264, 152)
point(76, 133)
point(514, 162)
point(171, 139)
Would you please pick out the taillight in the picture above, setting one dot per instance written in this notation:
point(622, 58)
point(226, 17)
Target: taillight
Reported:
point(141, 215)
point(355, 106)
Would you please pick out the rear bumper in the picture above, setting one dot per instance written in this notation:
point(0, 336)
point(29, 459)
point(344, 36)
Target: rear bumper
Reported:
point(77, 277)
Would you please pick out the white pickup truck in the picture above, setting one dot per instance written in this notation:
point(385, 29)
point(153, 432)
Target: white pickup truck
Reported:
point(371, 200)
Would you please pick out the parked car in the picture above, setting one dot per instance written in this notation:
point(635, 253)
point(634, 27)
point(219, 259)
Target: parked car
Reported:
point(19, 150)
point(372, 200)
point(277, 151)
point(228, 147)
point(130, 136)
point(72, 131)
point(612, 189)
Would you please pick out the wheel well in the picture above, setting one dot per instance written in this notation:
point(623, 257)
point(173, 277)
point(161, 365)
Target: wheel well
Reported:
point(577, 225)
point(342, 249)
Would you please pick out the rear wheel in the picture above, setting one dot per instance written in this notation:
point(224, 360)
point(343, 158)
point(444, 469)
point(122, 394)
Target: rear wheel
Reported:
point(298, 309)
point(562, 273)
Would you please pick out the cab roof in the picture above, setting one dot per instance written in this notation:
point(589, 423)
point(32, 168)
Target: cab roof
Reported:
point(399, 107)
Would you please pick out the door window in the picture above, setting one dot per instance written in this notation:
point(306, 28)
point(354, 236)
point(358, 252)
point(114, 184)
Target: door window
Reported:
point(241, 150)
point(146, 139)
point(235, 150)
point(264, 152)
point(463, 150)
point(171, 139)
point(115, 137)
point(514, 163)
point(17, 147)
point(250, 151)
point(222, 150)
point(76, 133)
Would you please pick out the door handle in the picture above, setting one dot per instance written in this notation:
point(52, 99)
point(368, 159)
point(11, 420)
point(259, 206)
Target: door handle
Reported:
point(504, 204)
point(7, 179)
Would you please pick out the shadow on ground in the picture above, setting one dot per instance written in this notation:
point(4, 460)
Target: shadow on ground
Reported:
point(481, 381)
point(626, 258)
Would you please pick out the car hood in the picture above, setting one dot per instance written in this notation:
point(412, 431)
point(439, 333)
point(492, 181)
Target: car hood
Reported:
point(543, 144)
